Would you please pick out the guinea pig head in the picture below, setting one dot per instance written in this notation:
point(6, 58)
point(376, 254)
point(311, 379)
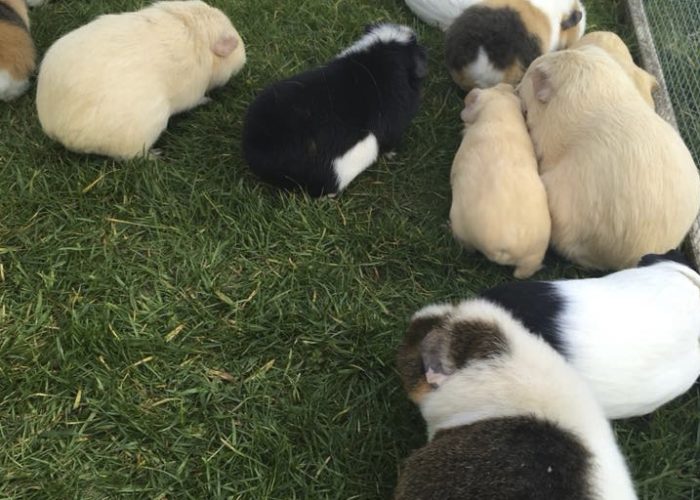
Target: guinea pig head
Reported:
point(227, 48)
point(438, 344)
point(216, 38)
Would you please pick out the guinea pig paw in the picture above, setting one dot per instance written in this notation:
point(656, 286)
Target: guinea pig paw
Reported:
point(154, 154)
point(390, 155)
point(204, 100)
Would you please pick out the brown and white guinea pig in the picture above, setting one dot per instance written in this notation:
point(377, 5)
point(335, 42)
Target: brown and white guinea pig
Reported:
point(499, 205)
point(620, 181)
point(507, 417)
point(321, 128)
point(616, 48)
point(17, 52)
point(109, 87)
point(495, 41)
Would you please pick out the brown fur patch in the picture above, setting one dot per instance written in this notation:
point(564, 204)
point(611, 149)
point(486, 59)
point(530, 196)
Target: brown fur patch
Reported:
point(513, 74)
point(498, 459)
point(464, 341)
point(474, 340)
point(408, 360)
point(534, 19)
point(17, 53)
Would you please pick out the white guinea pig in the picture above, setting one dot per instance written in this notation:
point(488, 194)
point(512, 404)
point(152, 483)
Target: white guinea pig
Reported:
point(507, 417)
point(634, 335)
point(109, 87)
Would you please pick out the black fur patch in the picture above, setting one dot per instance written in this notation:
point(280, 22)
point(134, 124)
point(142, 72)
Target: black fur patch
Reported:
point(515, 458)
point(572, 20)
point(501, 32)
point(8, 15)
point(671, 255)
point(537, 304)
point(297, 127)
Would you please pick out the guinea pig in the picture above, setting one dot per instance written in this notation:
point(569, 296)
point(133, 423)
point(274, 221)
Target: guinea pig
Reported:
point(17, 53)
point(616, 48)
point(620, 181)
point(499, 205)
point(494, 41)
point(110, 87)
point(320, 129)
point(634, 335)
point(507, 417)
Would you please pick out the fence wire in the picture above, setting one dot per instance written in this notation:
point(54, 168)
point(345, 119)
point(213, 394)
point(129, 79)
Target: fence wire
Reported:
point(675, 27)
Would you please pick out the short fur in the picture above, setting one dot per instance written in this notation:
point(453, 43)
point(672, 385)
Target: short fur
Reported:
point(521, 402)
point(612, 44)
point(634, 335)
point(111, 86)
point(321, 128)
point(494, 41)
point(17, 52)
point(478, 461)
point(620, 181)
point(499, 205)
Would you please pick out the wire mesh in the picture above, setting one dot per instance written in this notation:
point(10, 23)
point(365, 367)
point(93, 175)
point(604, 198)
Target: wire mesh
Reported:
point(675, 27)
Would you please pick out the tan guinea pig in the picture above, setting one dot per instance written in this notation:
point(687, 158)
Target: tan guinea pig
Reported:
point(17, 53)
point(110, 86)
point(620, 181)
point(612, 44)
point(499, 205)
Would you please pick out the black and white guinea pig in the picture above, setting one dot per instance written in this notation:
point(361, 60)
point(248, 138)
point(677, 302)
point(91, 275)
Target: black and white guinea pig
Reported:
point(508, 418)
point(321, 128)
point(634, 335)
point(495, 41)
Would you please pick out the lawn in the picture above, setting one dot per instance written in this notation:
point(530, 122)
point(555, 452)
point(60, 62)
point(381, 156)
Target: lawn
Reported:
point(175, 329)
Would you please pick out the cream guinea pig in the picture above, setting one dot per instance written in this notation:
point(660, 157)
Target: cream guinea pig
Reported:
point(109, 87)
point(620, 181)
point(499, 205)
point(612, 44)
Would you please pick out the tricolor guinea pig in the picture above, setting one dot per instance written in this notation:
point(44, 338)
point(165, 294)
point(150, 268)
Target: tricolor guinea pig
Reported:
point(17, 53)
point(499, 205)
point(616, 48)
point(320, 129)
point(110, 87)
point(620, 181)
point(634, 335)
point(495, 41)
point(507, 417)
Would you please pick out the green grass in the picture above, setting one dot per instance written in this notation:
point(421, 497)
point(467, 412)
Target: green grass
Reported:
point(175, 329)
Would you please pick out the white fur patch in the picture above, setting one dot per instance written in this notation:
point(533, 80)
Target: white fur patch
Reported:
point(383, 33)
point(355, 160)
point(11, 88)
point(433, 310)
point(483, 72)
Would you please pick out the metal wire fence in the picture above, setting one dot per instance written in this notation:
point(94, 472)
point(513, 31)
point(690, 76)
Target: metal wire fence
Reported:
point(675, 28)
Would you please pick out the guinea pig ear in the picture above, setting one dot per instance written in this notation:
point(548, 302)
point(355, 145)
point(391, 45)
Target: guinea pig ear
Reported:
point(542, 85)
point(467, 114)
point(225, 46)
point(435, 354)
point(572, 20)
